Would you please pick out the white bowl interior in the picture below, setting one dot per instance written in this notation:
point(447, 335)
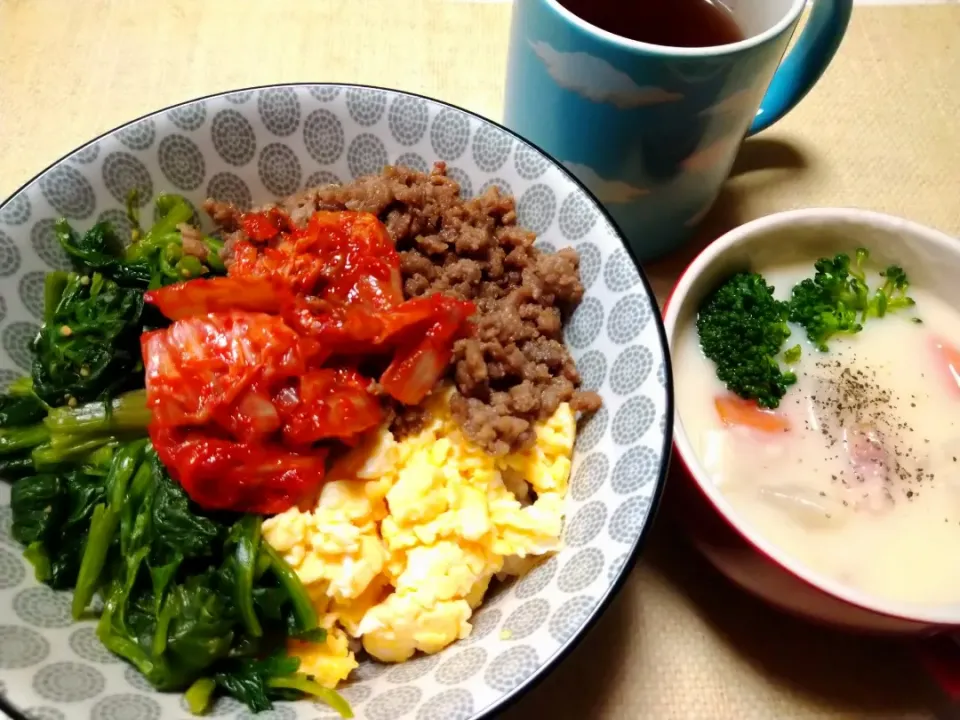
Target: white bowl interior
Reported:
point(931, 259)
point(255, 145)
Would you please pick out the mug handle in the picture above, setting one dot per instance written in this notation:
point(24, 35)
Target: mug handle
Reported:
point(805, 63)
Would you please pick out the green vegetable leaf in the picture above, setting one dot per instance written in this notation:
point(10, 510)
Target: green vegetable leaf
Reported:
point(21, 409)
point(248, 680)
point(99, 250)
point(52, 516)
point(194, 600)
point(90, 348)
point(257, 683)
point(160, 256)
point(179, 530)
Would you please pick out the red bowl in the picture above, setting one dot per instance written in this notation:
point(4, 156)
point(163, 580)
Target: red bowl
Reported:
point(735, 548)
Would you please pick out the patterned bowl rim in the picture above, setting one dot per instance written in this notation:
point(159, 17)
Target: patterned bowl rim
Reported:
point(551, 663)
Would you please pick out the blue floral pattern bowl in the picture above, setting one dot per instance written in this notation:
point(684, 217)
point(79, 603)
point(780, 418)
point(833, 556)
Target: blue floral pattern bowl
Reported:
point(253, 146)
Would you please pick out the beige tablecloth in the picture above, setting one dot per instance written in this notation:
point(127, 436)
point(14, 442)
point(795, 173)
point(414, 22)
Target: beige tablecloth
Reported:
point(882, 130)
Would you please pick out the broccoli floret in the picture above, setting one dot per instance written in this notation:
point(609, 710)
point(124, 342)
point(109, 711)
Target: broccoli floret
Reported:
point(830, 302)
point(742, 328)
point(837, 298)
point(892, 295)
point(791, 355)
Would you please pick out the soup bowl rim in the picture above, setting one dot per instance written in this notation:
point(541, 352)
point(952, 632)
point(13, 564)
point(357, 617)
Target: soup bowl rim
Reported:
point(682, 296)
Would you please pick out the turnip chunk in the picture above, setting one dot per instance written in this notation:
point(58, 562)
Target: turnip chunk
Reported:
point(805, 506)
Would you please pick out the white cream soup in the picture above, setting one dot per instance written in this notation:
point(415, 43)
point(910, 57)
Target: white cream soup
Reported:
point(864, 484)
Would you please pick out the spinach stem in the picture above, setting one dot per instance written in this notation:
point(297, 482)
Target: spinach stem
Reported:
point(303, 609)
point(199, 695)
point(304, 684)
point(245, 554)
point(104, 524)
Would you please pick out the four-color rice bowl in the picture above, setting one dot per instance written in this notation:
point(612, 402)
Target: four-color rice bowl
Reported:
point(252, 147)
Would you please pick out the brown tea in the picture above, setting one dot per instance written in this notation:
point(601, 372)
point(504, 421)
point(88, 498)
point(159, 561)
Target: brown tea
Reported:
point(675, 23)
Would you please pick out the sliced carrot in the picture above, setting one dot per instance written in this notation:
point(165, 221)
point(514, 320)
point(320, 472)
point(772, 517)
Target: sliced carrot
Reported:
point(734, 410)
point(949, 360)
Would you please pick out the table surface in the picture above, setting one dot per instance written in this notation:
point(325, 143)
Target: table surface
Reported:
point(879, 131)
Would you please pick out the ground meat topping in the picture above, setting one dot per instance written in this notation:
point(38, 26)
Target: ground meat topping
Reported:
point(515, 369)
point(192, 240)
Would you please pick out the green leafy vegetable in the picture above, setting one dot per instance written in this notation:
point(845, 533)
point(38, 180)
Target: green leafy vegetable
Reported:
point(792, 355)
point(742, 328)
point(297, 685)
point(248, 679)
point(186, 599)
point(52, 516)
point(195, 600)
point(171, 251)
point(90, 347)
point(187, 594)
point(105, 523)
point(16, 466)
point(21, 406)
point(257, 682)
point(186, 534)
point(99, 250)
point(171, 254)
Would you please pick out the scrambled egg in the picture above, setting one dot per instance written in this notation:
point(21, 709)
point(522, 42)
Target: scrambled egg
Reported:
point(406, 537)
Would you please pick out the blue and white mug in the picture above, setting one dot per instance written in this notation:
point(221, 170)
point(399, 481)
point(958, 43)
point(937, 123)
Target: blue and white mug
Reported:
point(653, 130)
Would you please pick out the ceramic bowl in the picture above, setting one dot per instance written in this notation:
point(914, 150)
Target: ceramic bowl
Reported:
point(258, 144)
point(933, 261)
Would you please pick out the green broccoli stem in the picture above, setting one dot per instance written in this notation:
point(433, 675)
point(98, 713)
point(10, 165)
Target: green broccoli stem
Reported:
point(304, 684)
point(125, 413)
